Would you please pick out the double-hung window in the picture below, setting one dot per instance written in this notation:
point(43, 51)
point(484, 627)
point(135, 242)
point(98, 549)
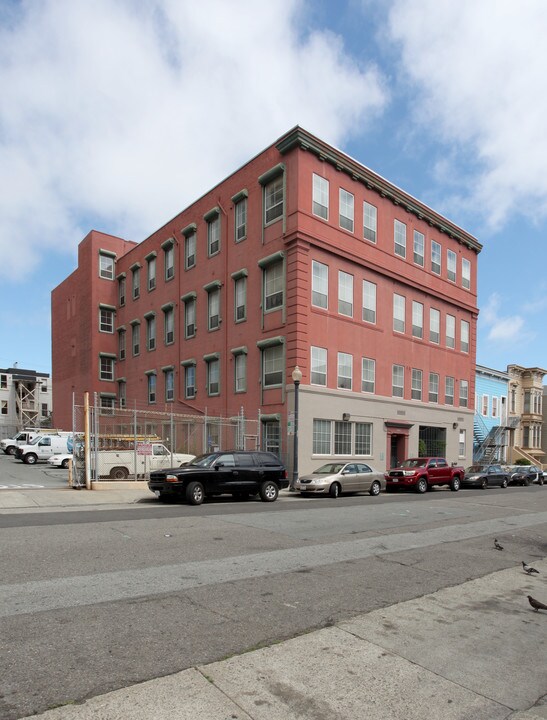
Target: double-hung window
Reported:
point(212, 218)
point(151, 271)
point(449, 390)
point(345, 371)
point(240, 298)
point(370, 222)
point(433, 387)
point(368, 380)
point(451, 264)
point(273, 283)
point(150, 331)
point(189, 369)
point(121, 343)
point(345, 293)
point(213, 308)
point(319, 366)
point(190, 247)
point(273, 358)
point(169, 323)
point(240, 215)
point(136, 281)
point(168, 259)
point(434, 325)
point(213, 374)
point(273, 182)
point(419, 245)
point(398, 313)
point(135, 337)
point(106, 319)
point(450, 331)
point(464, 336)
point(189, 301)
point(106, 265)
point(417, 319)
point(122, 393)
point(436, 257)
point(346, 210)
point(240, 369)
point(152, 384)
point(320, 202)
point(106, 367)
point(169, 380)
point(320, 284)
point(399, 233)
point(398, 381)
point(464, 393)
point(121, 290)
point(417, 380)
point(466, 273)
point(369, 301)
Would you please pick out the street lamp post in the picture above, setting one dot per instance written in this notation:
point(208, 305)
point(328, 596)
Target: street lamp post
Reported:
point(296, 378)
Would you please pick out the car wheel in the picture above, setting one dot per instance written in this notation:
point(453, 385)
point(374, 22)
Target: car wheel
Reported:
point(540, 480)
point(504, 483)
point(119, 473)
point(268, 491)
point(484, 484)
point(421, 485)
point(10, 450)
point(526, 482)
point(455, 484)
point(30, 459)
point(195, 493)
point(334, 490)
point(64, 464)
point(375, 488)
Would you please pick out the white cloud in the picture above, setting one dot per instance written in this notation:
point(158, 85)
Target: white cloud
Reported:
point(119, 113)
point(505, 330)
point(477, 74)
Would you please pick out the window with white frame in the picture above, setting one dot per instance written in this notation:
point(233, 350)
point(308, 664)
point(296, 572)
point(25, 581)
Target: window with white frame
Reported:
point(346, 209)
point(398, 381)
point(466, 274)
point(169, 260)
point(241, 220)
point(190, 250)
point(122, 393)
point(240, 298)
point(451, 265)
point(434, 325)
point(342, 437)
point(320, 202)
point(450, 331)
point(273, 286)
point(272, 366)
point(106, 320)
point(464, 336)
point(169, 324)
point(417, 319)
point(345, 371)
point(273, 200)
point(189, 317)
point(106, 367)
point(169, 380)
point(368, 375)
point(321, 434)
point(433, 387)
point(363, 438)
point(399, 233)
point(240, 372)
point(419, 248)
point(417, 382)
point(213, 308)
point(107, 404)
point(369, 301)
point(319, 366)
point(449, 390)
point(151, 272)
point(189, 381)
point(152, 384)
point(135, 338)
point(461, 444)
point(106, 266)
point(136, 282)
point(484, 405)
point(464, 393)
point(213, 235)
point(213, 376)
point(121, 344)
point(495, 401)
point(398, 313)
point(345, 293)
point(370, 222)
point(320, 284)
point(436, 257)
point(3, 382)
point(151, 332)
point(121, 291)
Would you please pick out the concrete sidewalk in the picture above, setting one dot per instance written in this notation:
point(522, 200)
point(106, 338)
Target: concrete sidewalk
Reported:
point(26, 499)
point(471, 652)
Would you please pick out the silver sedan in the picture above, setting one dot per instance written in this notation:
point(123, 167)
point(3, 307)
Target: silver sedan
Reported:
point(335, 478)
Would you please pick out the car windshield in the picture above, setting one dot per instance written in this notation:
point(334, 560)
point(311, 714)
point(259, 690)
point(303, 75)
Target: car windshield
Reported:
point(329, 469)
point(475, 469)
point(36, 440)
point(204, 460)
point(414, 462)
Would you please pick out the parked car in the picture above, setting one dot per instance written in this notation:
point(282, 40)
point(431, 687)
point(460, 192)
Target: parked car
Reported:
point(335, 478)
point(422, 473)
point(62, 460)
point(241, 474)
point(525, 475)
point(485, 476)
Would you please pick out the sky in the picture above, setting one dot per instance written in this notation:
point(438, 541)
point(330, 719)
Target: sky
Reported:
point(117, 114)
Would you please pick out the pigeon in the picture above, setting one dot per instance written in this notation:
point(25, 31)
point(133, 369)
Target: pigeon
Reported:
point(536, 604)
point(497, 545)
point(529, 569)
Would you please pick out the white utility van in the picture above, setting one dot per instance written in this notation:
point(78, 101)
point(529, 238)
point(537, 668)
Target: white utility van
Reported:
point(43, 447)
point(120, 464)
point(24, 437)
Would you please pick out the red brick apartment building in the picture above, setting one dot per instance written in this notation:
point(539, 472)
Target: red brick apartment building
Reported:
point(302, 257)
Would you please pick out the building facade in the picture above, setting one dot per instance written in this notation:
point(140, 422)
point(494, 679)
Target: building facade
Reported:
point(302, 257)
point(25, 400)
point(490, 431)
point(526, 406)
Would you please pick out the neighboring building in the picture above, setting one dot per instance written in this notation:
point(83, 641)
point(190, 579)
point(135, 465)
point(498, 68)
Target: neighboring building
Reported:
point(301, 257)
point(490, 432)
point(25, 400)
point(526, 406)
point(544, 425)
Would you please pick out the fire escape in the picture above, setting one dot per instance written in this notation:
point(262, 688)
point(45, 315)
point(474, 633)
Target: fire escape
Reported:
point(489, 444)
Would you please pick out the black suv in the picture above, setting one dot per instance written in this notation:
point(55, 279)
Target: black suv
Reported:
point(235, 472)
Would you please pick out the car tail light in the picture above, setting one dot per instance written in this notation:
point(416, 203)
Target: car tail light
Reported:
point(285, 476)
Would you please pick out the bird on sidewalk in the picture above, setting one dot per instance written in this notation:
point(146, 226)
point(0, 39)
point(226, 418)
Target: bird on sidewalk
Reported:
point(529, 569)
point(497, 545)
point(536, 604)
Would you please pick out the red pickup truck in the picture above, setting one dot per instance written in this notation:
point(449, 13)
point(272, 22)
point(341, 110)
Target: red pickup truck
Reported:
point(420, 474)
